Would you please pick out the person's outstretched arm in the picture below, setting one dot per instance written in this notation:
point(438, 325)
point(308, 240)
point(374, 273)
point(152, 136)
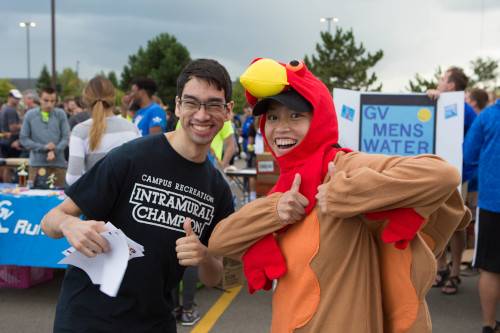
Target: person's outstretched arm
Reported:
point(364, 183)
point(235, 234)
point(62, 221)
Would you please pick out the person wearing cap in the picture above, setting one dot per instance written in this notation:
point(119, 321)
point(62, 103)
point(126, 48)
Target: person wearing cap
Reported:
point(9, 109)
point(10, 124)
point(15, 94)
point(351, 237)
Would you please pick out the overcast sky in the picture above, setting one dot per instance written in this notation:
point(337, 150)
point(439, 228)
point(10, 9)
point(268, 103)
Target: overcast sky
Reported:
point(416, 36)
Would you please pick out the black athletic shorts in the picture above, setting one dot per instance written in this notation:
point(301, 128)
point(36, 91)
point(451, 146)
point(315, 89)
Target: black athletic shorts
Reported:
point(487, 253)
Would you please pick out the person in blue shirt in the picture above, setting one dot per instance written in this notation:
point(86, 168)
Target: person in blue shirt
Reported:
point(478, 99)
point(453, 79)
point(482, 153)
point(245, 127)
point(150, 118)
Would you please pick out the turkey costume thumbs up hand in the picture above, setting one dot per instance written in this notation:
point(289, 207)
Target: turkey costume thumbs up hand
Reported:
point(322, 194)
point(261, 269)
point(292, 204)
point(190, 251)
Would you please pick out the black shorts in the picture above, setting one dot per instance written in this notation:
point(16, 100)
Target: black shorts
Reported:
point(487, 253)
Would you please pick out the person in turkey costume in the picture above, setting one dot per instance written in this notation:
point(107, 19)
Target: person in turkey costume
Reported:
point(351, 237)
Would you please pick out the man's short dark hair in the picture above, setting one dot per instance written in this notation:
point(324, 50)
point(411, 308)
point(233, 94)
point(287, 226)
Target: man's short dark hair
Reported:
point(480, 96)
point(146, 84)
point(208, 70)
point(48, 90)
point(458, 77)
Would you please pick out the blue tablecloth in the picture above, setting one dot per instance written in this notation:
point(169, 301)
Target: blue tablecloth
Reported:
point(22, 241)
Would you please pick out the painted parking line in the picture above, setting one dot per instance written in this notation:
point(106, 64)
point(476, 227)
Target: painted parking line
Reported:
point(210, 318)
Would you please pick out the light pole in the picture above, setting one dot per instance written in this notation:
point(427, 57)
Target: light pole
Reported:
point(53, 40)
point(329, 20)
point(28, 25)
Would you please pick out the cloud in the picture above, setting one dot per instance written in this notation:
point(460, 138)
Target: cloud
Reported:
point(469, 5)
point(415, 37)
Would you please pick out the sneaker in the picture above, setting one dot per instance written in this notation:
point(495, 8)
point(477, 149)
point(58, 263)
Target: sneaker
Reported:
point(488, 329)
point(190, 317)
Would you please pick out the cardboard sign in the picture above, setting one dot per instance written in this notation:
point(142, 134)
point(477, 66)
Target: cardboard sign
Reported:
point(401, 124)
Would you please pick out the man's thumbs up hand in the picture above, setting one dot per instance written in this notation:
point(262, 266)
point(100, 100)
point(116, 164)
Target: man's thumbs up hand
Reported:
point(190, 251)
point(188, 227)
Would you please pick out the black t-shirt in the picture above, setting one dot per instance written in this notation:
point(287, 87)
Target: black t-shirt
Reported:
point(146, 189)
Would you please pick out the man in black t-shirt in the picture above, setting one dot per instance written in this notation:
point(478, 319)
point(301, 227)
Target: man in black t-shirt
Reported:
point(163, 193)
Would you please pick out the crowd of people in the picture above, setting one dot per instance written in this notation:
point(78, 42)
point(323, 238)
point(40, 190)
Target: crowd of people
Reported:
point(480, 192)
point(104, 155)
point(140, 107)
point(66, 138)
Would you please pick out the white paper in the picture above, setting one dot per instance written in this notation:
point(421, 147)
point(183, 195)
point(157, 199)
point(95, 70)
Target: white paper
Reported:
point(107, 269)
point(115, 262)
point(91, 266)
point(136, 249)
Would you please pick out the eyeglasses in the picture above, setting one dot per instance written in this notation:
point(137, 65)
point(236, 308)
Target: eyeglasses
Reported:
point(192, 105)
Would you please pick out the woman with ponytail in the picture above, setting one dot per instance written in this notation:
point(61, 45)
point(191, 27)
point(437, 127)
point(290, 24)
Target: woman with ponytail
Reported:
point(91, 140)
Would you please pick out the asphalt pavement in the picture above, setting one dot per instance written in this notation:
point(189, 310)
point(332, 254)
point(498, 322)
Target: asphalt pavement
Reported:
point(32, 310)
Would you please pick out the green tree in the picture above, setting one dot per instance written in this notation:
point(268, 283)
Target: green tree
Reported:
point(118, 97)
point(484, 72)
point(5, 86)
point(162, 60)
point(238, 97)
point(112, 77)
point(340, 63)
point(70, 83)
point(422, 84)
point(44, 80)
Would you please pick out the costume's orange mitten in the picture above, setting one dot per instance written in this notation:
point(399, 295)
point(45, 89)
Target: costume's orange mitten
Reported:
point(262, 263)
point(402, 227)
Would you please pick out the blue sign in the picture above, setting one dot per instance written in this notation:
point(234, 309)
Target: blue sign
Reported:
point(22, 241)
point(397, 129)
point(450, 111)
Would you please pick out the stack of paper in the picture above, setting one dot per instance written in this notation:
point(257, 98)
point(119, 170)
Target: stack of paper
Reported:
point(107, 269)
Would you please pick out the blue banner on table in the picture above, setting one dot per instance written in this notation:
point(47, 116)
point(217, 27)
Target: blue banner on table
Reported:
point(397, 124)
point(22, 241)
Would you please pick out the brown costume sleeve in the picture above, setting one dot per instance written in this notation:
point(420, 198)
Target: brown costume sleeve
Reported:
point(368, 182)
point(451, 216)
point(236, 233)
